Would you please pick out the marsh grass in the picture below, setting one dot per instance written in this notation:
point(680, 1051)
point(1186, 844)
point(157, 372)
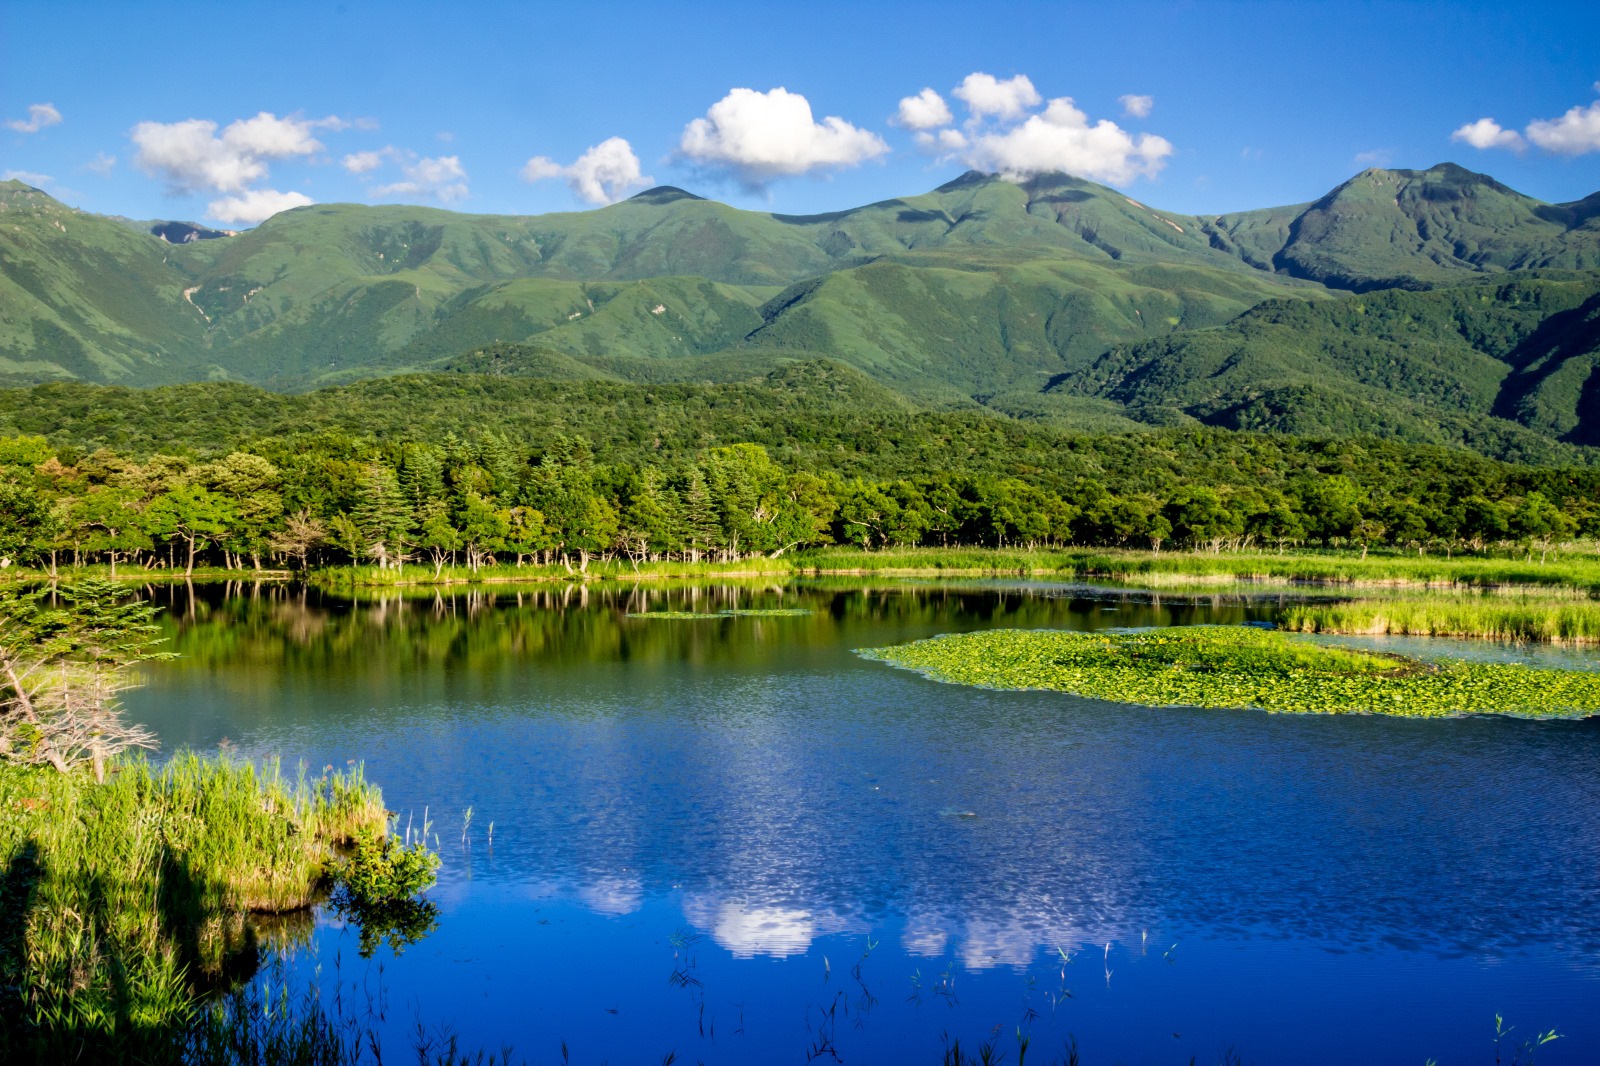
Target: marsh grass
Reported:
point(612, 570)
point(1172, 569)
point(1228, 666)
point(124, 903)
point(1519, 616)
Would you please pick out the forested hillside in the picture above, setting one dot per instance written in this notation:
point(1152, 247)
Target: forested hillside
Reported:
point(1494, 364)
point(834, 475)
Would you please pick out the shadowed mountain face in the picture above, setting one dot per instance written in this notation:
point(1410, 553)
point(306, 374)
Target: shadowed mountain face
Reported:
point(981, 290)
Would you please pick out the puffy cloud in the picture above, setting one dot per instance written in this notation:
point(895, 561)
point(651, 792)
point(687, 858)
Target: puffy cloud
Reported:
point(28, 177)
point(924, 111)
point(1378, 157)
point(442, 178)
point(1487, 133)
point(102, 164)
point(988, 97)
point(1136, 106)
point(255, 205)
point(363, 162)
point(39, 116)
point(602, 175)
point(1574, 133)
point(1061, 138)
point(945, 142)
point(190, 155)
point(761, 136)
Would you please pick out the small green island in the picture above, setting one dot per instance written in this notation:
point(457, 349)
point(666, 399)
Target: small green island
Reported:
point(1243, 667)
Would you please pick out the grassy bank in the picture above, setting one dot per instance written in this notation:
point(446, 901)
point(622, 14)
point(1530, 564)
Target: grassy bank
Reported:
point(1150, 569)
point(124, 903)
point(1205, 568)
point(1174, 569)
point(1520, 616)
point(1227, 666)
point(614, 570)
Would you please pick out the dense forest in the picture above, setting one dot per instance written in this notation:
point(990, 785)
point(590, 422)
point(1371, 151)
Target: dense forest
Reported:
point(477, 496)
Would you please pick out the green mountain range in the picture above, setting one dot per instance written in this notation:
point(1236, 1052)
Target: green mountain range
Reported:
point(1433, 305)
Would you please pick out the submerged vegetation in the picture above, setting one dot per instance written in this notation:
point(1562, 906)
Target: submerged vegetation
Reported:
point(1228, 666)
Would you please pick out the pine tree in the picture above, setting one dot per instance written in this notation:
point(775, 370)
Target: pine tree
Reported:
point(382, 516)
point(699, 528)
point(422, 476)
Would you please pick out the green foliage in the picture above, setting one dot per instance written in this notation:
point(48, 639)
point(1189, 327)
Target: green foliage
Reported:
point(379, 885)
point(674, 475)
point(1226, 666)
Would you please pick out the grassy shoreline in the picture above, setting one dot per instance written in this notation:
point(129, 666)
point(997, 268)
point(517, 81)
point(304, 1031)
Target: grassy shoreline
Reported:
point(125, 903)
point(1570, 569)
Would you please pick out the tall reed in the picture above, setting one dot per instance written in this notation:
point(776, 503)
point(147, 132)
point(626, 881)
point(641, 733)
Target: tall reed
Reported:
point(121, 903)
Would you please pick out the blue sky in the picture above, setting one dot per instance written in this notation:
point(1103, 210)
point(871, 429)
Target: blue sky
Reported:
point(223, 112)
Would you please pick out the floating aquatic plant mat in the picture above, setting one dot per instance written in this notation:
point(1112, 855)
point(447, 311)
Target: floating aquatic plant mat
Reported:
point(753, 612)
point(1240, 666)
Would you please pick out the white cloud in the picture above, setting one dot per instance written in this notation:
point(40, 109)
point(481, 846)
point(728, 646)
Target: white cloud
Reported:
point(945, 141)
point(102, 164)
point(29, 177)
point(39, 116)
point(1574, 133)
point(1378, 157)
point(337, 124)
point(1061, 138)
point(602, 175)
point(924, 111)
point(988, 97)
point(363, 162)
point(1487, 133)
point(441, 178)
point(255, 205)
point(761, 136)
point(190, 155)
point(1136, 106)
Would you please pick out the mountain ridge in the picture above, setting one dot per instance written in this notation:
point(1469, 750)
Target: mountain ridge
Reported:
point(978, 291)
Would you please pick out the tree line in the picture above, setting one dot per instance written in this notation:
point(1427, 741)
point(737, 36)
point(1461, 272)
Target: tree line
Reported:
point(488, 499)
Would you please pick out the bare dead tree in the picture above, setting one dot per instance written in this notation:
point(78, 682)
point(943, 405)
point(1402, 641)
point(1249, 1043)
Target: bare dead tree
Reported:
point(65, 656)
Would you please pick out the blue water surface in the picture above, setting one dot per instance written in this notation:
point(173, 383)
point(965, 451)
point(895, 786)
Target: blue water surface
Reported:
point(736, 841)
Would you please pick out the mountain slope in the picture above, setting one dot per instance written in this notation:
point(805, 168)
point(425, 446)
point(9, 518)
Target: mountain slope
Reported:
point(1415, 228)
point(981, 290)
point(1510, 357)
point(82, 296)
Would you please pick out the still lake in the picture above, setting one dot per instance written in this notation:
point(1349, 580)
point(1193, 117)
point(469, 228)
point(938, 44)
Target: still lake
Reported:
point(735, 840)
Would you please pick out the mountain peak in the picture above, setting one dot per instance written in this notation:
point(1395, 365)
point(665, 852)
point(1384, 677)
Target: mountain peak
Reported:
point(662, 194)
point(970, 178)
